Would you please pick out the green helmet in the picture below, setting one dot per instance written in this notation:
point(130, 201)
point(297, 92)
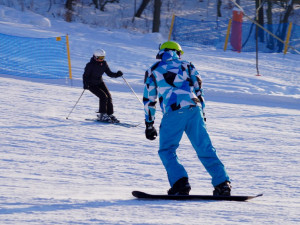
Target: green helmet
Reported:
point(171, 45)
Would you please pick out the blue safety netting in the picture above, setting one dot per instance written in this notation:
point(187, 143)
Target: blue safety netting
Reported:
point(34, 57)
point(295, 38)
point(196, 33)
point(266, 42)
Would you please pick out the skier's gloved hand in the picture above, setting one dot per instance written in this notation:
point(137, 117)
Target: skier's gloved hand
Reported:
point(150, 131)
point(119, 73)
point(85, 85)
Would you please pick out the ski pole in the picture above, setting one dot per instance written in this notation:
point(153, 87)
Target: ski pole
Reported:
point(132, 90)
point(75, 104)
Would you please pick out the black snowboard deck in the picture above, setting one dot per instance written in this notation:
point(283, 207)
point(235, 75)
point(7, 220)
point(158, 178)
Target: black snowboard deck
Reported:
point(145, 196)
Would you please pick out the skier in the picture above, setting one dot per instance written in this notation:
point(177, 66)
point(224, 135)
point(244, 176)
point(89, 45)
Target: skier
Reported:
point(93, 81)
point(177, 84)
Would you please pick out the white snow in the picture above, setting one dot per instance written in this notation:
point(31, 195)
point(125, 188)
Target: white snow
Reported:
point(58, 171)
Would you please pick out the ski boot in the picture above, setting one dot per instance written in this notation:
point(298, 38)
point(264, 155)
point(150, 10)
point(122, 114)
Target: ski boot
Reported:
point(222, 189)
point(114, 119)
point(181, 187)
point(104, 117)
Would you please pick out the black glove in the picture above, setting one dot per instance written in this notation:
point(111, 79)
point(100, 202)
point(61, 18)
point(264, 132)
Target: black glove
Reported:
point(85, 85)
point(119, 73)
point(150, 131)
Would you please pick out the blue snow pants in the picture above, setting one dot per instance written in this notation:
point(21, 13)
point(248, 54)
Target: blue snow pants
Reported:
point(190, 121)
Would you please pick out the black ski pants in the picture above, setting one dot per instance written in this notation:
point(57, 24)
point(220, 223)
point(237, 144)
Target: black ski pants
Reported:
point(105, 100)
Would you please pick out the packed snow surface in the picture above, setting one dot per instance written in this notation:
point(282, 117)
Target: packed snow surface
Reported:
point(59, 171)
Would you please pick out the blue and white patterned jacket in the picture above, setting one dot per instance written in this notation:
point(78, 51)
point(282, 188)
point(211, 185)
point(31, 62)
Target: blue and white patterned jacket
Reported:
point(175, 82)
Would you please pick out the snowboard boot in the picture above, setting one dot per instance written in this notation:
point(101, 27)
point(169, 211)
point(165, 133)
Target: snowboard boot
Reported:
point(104, 117)
point(222, 189)
point(181, 187)
point(114, 119)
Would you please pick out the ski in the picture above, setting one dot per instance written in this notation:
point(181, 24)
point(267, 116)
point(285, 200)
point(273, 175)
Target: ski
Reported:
point(119, 124)
point(143, 195)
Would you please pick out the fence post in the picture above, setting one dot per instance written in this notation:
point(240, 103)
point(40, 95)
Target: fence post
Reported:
point(69, 57)
point(171, 28)
point(236, 31)
point(287, 40)
point(227, 35)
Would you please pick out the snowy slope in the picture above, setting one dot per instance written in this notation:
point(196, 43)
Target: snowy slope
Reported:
point(58, 171)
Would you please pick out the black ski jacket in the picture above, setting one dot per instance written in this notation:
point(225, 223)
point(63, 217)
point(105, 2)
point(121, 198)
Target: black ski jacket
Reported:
point(93, 72)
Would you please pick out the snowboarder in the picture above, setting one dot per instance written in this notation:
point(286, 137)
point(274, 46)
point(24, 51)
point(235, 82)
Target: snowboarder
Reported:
point(178, 86)
point(93, 81)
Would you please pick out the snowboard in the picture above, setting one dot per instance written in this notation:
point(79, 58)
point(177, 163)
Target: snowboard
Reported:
point(143, 195)
point(119, 124)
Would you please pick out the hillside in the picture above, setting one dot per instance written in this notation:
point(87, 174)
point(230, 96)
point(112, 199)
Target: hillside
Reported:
point(57, 171)
point(120, 15)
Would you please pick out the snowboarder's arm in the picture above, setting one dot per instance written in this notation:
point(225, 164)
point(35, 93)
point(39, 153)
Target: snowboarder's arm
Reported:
point(197, 83)
point(150, 96)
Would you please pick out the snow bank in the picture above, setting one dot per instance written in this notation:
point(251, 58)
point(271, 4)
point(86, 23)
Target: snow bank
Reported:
point(23, 17)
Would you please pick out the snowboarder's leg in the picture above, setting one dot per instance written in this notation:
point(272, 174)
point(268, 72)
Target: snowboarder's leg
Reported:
point(171, 130)
point(197, 133)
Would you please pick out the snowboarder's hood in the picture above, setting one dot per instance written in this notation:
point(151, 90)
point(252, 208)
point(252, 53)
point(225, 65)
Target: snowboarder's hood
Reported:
point(167, 55)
